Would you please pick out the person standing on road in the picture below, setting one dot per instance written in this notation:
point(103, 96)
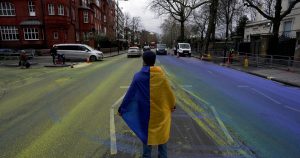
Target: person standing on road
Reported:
point(147, 106)
point(53, 53)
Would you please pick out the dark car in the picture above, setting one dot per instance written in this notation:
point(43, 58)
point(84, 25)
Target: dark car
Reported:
point(161, 49)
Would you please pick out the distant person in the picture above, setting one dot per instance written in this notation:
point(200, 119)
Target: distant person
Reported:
point(53, 53)
point(148, 105)
point(23, 62)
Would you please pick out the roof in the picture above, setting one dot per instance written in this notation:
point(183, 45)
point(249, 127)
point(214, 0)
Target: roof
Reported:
point(31, 22)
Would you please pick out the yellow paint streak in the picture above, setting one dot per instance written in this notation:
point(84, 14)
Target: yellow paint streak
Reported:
point(77, 118)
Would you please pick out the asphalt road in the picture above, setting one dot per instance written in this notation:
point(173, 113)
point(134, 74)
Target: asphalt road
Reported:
point(260, 113)
point(64, 112)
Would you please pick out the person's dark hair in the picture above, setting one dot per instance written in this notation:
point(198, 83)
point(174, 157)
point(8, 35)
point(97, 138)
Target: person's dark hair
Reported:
point(149, 58)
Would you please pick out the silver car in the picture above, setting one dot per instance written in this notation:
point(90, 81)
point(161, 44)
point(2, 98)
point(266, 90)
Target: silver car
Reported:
point(79, 51)
point(134, 51)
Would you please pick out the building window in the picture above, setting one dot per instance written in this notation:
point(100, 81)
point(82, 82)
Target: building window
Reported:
point(61, 10)
point(85, 17)
point(77, 36)
point(9, 33)
point(73, 14)
point(31, 34)
point(7, 9)
point(55, 35)
point(105, 30)
point(287, 28)
point(51, 10)
point(31, 8)
point(104, 18)
point(68, 11)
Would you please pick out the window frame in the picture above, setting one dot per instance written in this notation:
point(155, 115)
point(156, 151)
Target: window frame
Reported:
point(9, 33)
point(7, 9)
point(31, 34)
point(61, 10)
point(31, 8)
point(85, 17)
point(55, 35)
point(51, 9)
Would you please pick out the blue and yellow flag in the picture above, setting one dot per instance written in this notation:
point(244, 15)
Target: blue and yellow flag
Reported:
point(147, 106)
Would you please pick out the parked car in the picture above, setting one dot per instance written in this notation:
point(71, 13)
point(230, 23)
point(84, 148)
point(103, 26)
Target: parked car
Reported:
point(183, 49)
point(134, 51)
point(161, 49)
point(79, 51)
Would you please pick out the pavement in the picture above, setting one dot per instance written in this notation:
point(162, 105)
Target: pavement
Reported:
point(287, 76)
point(41, 61)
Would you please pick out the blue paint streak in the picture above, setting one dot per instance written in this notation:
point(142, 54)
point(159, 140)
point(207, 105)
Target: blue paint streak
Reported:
point(272, 129)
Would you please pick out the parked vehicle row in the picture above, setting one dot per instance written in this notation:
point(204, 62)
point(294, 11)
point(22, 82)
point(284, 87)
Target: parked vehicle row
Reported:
point(7, 52)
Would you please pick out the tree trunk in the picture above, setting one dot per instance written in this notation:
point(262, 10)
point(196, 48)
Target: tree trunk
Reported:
point(182, 31)
point(227, 30)
point(211, 24)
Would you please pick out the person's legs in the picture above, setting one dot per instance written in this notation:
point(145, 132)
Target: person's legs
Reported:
point(53, 59)
point(162, 151)
point(147, 151)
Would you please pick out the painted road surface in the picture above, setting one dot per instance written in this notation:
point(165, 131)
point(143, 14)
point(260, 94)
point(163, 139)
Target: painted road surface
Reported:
point(68, 112)
point(64, 112)
point(262, 114)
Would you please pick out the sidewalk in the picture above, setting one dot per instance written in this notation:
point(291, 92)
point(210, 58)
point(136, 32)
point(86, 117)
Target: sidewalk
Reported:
point(41, 61)
point(283, 76)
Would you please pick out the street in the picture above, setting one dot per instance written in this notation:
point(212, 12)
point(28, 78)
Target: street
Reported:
point(64, 112)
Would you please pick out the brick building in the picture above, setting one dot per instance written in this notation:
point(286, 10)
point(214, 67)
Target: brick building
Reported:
point(42, 23)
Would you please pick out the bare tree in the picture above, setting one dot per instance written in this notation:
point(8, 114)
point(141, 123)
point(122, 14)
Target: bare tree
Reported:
point(180, 10)
point(136, 25)
point(228, 10)
point(200, 20)
point(272, 10)
point(170, 31)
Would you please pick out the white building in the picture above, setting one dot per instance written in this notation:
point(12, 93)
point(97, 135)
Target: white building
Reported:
point(290, 25)
point(119, 21)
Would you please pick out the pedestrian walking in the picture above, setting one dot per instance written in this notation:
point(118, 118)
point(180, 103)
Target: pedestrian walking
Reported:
point(147, 106)
point(53, 53)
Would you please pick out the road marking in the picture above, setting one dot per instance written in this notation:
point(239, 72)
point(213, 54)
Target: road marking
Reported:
point(210, 72)
point(242, 86)
point(113, 139)
point(194, 95)
point(186, 86)
point(270, 98)
point(124, 87)
point(158, 62)
point(224, 129)
point(288, 107)
point(165, 70)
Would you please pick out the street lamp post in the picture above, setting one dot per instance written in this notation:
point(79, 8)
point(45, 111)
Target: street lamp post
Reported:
point(118, 38)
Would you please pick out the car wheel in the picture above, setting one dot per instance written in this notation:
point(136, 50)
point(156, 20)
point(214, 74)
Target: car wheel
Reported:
point(93, 58)
point(128, 56)
point(189, 55)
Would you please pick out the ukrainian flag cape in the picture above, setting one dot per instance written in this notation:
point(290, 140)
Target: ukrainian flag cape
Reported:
point(147, 105)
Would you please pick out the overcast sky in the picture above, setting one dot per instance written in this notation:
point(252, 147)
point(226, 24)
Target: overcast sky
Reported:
point(139, 8)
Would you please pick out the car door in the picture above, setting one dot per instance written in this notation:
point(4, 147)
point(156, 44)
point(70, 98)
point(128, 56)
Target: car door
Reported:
point(81, 52)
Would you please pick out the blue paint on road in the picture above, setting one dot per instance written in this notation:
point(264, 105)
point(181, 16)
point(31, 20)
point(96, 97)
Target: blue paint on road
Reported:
point(260, 112)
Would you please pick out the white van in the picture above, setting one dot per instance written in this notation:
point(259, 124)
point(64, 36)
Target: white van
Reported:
point(183, 49)
point(78, 51)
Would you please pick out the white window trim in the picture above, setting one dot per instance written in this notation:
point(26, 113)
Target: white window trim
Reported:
point(9, 33)
point(32, 34)
point(51, 9)
point(61, 10)
point(7, 9)
point(31, 8)
point(85, 17)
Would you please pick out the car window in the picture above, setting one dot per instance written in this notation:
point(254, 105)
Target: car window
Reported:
point(185, 46)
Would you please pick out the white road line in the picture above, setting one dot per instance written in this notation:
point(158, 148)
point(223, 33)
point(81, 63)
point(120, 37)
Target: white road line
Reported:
point(224, 129)
point(158, 62)
point(124, 87)
point(186, 86)
point(288, 107)
point(113, 139)
point(270, 98)
point(242, 86)
point(210, 72)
